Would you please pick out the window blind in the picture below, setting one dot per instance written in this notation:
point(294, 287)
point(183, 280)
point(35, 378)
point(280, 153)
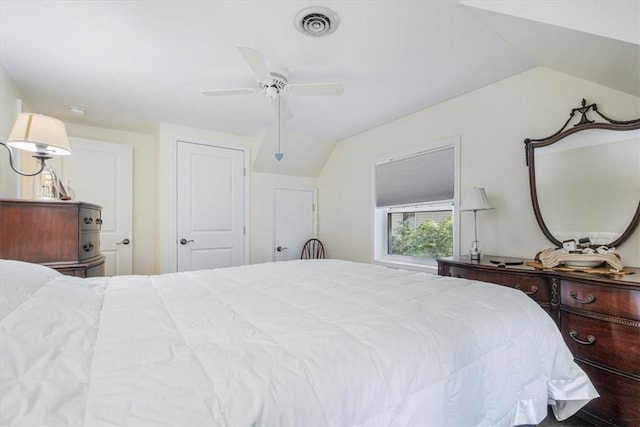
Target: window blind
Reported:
point(423, 178)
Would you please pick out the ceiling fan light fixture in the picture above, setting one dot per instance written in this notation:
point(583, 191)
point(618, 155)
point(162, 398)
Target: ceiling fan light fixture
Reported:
point(275, 86)
point(316, 21)
point(272, 92)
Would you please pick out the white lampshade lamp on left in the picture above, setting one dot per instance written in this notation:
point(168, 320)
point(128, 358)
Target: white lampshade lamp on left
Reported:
point(475, 200)
point(45, 137)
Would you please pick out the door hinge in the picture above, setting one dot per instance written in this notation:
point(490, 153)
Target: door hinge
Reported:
point(313, 207)
point(244, 231)
point(244, 171)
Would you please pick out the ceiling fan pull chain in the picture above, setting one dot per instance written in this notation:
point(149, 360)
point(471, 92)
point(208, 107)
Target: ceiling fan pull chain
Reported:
point(279, 154)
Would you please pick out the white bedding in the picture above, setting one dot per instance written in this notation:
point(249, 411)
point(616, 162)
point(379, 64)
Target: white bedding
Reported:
point(299, 343)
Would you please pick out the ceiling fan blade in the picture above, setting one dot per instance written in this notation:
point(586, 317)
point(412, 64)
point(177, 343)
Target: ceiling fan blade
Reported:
point(254, 59)
point(285, 113)
point(222, 92)
point(315, 89)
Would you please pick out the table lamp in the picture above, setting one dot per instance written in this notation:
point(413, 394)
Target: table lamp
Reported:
point(40, 134)
point(475, 200)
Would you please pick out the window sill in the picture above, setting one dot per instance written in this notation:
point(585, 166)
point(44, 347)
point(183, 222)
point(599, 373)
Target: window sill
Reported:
point(407, 266)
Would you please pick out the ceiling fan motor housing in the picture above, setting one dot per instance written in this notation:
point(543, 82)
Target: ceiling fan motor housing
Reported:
point(274, 87)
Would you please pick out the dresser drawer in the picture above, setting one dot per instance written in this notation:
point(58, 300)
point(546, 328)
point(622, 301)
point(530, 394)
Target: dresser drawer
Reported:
point(605, 343)
point(618, 401)
point(90, 219)
point(537, 288)
point(602, 299)
point(89, 245)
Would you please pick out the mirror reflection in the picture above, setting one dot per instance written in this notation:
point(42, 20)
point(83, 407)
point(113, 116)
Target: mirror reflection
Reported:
point(589, 184)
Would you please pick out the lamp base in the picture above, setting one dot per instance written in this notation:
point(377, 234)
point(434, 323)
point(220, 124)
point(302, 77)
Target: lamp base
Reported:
point(50, 186)
point(474, 252)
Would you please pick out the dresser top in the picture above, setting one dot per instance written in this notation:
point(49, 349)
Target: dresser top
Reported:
point(45, 202)
point(501, 263)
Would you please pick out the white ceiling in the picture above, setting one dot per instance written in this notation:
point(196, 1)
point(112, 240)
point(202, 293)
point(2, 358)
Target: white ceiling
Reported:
point(134, 64)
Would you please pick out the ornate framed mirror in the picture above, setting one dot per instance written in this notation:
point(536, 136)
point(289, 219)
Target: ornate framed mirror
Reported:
point(585, 178)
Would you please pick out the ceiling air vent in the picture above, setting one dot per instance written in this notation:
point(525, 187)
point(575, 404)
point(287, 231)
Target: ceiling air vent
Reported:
point(316, 21)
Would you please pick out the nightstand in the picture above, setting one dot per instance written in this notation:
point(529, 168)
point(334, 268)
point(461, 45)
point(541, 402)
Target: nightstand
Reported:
point(63, 235)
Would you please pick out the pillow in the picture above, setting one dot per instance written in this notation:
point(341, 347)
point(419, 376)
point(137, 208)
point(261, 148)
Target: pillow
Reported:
point(19, 280)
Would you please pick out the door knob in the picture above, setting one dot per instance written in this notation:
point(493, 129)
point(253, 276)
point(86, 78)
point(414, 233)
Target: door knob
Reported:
point(185, 241)
point(281, 249)
point(124, 242)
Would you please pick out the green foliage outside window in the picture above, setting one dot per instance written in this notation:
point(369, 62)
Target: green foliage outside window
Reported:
point(429, 239)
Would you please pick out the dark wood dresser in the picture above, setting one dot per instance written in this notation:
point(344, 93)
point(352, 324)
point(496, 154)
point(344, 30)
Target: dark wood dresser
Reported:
point(63, 235)
point(598, 316)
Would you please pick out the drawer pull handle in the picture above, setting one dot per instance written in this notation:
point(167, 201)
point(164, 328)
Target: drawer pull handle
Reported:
point(590, 338)
point(88, 247)
point(99, 221)
point(533, 290)
point(590, 298)
point(88, 220)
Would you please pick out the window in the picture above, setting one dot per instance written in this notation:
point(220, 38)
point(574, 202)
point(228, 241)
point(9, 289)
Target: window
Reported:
point(415, 221)
point(424, 234)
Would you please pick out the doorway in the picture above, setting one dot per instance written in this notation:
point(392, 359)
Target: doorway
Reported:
point(295, 221)
point(102, 173)
point(210, 206)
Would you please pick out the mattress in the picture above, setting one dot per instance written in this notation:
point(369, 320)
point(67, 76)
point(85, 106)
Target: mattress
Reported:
point(297, 343)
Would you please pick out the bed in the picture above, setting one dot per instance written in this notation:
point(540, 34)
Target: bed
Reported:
point(296, 343)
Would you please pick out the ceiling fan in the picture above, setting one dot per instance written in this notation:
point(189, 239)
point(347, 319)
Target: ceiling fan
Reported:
point(273, 84)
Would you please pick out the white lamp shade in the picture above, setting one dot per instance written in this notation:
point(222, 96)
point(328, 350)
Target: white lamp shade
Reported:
point(475, 200)
point(39, 133)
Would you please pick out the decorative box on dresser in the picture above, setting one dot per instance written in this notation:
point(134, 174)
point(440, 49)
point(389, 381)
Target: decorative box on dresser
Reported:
point(63, 235)
point(598, 316)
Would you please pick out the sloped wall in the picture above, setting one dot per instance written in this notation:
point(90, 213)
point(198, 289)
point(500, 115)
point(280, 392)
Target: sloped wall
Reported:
point(303, 156)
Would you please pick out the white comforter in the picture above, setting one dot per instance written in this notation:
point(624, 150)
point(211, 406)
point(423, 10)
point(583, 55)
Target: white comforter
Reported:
point(300, 343)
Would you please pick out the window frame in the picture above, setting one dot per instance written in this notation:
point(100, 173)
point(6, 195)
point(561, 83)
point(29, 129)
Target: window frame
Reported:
point(380, 223)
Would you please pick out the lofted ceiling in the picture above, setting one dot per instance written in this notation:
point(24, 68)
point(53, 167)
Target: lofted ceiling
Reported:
point(133, 64)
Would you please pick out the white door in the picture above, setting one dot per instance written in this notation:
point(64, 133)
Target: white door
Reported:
point(210, 207)
point(294, 222)
point(102, 173)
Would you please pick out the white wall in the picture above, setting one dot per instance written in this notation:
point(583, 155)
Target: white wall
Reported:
point(492, 122)
point(8, 113)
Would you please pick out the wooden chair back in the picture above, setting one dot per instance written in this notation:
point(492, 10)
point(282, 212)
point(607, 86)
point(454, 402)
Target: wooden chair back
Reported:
point(312, 249)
